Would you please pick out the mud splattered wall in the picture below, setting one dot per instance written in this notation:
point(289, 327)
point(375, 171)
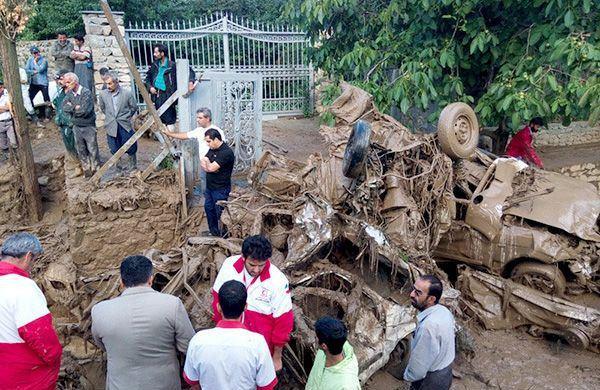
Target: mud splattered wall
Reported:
point(10, 193)
point(123, 218)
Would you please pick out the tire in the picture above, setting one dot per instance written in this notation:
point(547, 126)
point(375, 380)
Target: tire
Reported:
point(357, 150)
point(542, 277)
point(458, 130)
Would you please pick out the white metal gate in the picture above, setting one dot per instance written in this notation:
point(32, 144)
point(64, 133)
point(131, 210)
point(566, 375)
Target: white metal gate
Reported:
point(224, 43)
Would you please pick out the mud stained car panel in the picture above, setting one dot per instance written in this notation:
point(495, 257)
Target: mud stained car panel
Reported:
point(572, 205)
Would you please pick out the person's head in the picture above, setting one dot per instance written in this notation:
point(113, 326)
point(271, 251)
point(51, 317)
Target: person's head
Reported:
point(21, 249)
point(160, 51)
point(536, 123)
point(78, 39)
point(112, 82)
point(232, 299)
point(1, 86)
point(103, 73)
point(34, 51)
point(426, 292)
point(213, 138)
point(70, 81)
point(60, 78)
point(203, 117)
point(331, 335)
point(61, 36)
point(136, 270)
point(256, 250)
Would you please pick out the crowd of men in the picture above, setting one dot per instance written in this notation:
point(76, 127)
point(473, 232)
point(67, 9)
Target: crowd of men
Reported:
point(144, 332)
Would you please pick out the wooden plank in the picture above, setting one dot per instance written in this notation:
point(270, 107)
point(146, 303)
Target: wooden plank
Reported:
point(155, 163)
point(115, 157)
point(137, 78)
point(184, 210)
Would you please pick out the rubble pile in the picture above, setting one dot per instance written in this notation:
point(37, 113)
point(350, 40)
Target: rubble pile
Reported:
point(351, 230)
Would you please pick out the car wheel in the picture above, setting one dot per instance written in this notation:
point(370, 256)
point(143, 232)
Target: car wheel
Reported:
point(458, 130)
point(542, 277)
point(399, 358)
point(357, 149)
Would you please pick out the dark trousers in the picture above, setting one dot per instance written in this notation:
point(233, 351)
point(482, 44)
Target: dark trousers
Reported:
point(33, 90)
point(435, 380)
point(115, 143)
point(169, 117)
point(212, 210)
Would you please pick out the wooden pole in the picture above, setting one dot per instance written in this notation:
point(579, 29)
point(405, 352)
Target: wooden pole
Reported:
point(12, 80)
point(137, 78)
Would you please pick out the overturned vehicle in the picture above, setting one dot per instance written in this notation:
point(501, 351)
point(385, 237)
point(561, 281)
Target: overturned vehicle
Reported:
point(538, 228)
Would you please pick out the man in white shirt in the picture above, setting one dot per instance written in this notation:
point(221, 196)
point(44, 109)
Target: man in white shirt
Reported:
point(7, 131)
point(204, 122)
point(229, 357)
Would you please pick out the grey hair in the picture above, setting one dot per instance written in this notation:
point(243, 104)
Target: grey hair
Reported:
point(205, 111)
point(71, 75)
point(112, 76)
point(19, 244)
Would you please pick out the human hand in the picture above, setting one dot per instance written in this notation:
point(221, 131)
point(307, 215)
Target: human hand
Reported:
point(153, 90)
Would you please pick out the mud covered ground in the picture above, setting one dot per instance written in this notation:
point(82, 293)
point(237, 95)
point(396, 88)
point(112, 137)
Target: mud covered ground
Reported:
point(502, 359)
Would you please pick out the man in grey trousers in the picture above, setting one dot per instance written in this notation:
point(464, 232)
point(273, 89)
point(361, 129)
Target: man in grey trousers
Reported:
point(79, 104)
point(120, 109)
point(141, 331)
point(432, 348)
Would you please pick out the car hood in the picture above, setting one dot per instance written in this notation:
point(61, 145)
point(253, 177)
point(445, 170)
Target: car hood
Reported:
point(570, 205)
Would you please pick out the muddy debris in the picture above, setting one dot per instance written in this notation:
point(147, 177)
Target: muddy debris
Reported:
point(352, 229)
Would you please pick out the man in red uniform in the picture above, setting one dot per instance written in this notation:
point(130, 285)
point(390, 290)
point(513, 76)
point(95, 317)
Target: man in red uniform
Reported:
point(29, 348)
point(521, 144)
point(269, 310)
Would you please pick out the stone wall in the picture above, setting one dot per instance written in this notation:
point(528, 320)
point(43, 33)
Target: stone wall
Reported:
point(589, 172)
point(575, 134)
point(23, 53)
point(123, 217)
point(104, 46)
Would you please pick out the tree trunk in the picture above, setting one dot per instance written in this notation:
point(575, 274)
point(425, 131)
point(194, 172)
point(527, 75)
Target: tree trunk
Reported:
point(8, 50)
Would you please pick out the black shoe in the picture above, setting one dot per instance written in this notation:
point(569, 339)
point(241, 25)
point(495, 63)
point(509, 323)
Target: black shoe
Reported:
point(206, 233)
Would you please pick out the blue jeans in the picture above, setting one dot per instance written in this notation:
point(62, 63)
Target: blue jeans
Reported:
point(115, 143)
point(213, 211)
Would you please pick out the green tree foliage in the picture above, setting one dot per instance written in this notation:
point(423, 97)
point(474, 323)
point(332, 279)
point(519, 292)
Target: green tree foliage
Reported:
point(51, 16)
point(515, 59)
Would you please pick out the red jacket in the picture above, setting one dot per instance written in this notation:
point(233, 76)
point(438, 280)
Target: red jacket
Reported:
point(269, 311)
point(521, 146)
point(29, 348)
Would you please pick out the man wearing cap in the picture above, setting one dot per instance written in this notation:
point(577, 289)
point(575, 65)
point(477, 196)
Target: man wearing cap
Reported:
point(61, 51)
point(37, 71)
point(7, 131)
point(29, 348)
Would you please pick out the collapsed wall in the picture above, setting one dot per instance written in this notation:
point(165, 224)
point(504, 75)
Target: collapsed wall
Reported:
point(122, 217)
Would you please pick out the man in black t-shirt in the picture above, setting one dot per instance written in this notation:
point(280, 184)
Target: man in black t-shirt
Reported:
point(218, 165)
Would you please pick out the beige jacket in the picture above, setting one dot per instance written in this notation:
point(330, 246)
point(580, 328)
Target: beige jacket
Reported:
point(141, 331)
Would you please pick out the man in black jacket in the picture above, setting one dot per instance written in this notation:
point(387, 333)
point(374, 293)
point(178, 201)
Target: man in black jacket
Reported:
point(79, 104)
point(161, 81)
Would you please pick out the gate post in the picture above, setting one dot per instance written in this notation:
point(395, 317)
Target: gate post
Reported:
point(189, 148)
point(226, 44)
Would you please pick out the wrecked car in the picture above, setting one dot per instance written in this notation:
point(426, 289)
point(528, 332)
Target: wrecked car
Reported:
point(539, 228)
